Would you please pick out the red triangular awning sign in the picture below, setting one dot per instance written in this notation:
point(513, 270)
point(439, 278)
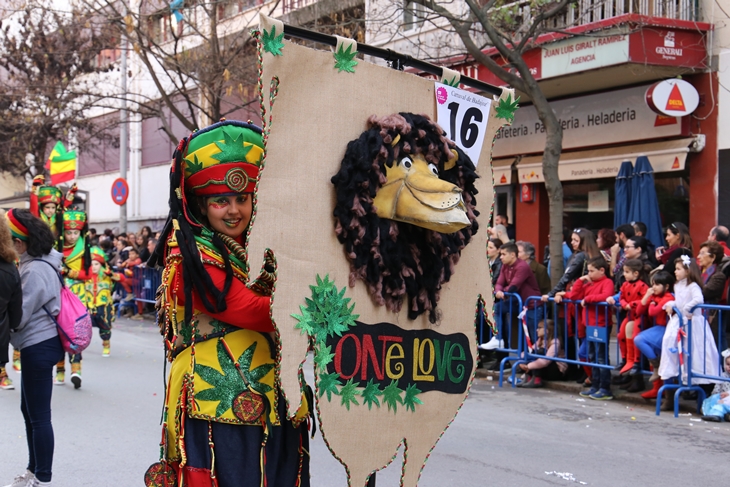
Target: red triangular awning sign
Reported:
point(675, 101)
point(503, 179)
point(662, 120)
point(675, 165)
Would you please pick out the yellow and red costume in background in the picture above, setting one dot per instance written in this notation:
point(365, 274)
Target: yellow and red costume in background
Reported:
point(224, 419)
point(41, 195)
point(99, 288)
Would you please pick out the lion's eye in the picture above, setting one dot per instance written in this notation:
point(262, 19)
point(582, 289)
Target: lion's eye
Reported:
point(406, 162)
point(434, 169)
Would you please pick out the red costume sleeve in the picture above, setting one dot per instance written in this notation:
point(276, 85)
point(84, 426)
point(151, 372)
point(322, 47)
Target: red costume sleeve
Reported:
point(576, 292)
point(245, 309)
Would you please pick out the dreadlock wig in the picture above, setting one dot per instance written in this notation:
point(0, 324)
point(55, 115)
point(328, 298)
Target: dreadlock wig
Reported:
point(222, 159)
point(404, 238)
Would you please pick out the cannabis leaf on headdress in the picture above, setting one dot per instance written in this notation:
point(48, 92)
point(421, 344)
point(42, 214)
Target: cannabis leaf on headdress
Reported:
point(323, 356)
point(328, 383)
point(370, 394)
point(327, 313)
point(348, 393)
point(391, 396)
point(232, 150)
point(345, 59)
point(506, 108)
point(271, 42)
point(193, 165)
point(410, 400)
point(451, 82)
point(227, 384)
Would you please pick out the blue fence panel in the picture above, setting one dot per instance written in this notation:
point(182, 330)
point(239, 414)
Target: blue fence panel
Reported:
point(566, 321)
point(505, 311)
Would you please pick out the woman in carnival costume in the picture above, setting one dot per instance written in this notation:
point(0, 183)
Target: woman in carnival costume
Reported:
point(99, 289)
point(76, 264)
point(224, 421)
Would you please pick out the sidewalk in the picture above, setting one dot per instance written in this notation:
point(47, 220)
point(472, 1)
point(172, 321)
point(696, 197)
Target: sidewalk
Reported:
point(570, 386)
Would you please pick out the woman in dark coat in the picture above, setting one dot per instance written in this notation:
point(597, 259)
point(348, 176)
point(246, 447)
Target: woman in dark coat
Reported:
point(11, 298)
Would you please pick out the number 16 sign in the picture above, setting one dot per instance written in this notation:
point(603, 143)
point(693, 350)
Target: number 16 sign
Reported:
point(463, 115)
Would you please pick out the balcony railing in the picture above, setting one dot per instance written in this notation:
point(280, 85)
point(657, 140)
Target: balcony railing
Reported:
point(590, 11)
point(291, 5)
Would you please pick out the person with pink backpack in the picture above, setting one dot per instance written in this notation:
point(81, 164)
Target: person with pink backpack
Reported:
point(37, 338)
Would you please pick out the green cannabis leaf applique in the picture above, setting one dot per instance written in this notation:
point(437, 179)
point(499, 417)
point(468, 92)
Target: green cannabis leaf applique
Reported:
point(391, 396)
point(370, 394)
point(506, 108)
point(228, 384)
point(230, 149)
point(345, 59)
point(273, 43)
point(410, 400)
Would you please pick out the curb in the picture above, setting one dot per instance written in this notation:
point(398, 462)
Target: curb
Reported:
point(574, 388)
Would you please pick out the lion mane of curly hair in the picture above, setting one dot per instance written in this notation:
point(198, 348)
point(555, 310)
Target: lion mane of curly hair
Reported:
point(396, 259)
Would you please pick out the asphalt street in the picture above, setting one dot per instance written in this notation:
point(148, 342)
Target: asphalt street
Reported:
point(108, 432)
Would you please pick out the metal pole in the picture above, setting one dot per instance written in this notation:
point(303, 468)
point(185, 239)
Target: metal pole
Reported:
point(398, 60)
point(123, 133)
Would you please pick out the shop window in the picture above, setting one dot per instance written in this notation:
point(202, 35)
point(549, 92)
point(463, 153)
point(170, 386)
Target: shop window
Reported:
point(413, 15)
point(157, 148)
point(99, 146)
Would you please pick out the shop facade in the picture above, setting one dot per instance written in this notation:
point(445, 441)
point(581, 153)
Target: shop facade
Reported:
point(596, 82)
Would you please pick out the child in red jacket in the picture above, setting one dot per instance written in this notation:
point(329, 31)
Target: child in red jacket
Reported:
point(632, 290)
point(649, 341)
point(592, 289)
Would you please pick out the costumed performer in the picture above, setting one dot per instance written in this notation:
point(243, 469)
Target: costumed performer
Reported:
point(224, 421)
point(75, 270)
point(99, 289)
point(48, 203)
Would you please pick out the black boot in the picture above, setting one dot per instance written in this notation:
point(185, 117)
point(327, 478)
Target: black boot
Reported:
point(637, 384)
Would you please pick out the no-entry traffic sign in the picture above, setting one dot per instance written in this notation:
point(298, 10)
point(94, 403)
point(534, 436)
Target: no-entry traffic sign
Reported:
point(120, 191)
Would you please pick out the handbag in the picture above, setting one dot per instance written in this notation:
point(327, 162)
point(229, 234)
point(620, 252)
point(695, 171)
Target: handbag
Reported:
point(73, 321)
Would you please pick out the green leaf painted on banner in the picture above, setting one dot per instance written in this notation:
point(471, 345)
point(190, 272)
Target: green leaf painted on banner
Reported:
point(273, 43)
point(345, 59)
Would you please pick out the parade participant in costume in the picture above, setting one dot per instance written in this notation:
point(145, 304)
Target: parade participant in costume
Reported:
point(48, 203)
point(225, 420)
point(99, 294)
point(76, 263)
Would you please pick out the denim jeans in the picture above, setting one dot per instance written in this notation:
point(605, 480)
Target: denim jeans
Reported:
point(597, 354)
point(36, 385)
point(507, 308)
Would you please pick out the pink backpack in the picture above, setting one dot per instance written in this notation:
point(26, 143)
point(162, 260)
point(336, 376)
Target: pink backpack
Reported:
point(73, 320)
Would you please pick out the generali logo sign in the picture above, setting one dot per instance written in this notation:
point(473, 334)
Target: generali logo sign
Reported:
point(668, 50)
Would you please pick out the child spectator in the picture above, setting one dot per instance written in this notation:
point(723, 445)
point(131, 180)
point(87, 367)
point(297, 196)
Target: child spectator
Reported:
point(132, 261)
point(632, 290)
point(649, 340)
point(687, 295)
point(591, 289)
point(543, 369)
point(717, 406)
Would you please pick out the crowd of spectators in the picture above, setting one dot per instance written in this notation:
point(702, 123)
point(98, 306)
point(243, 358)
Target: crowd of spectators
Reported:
point(125, 252)
point(623, 268)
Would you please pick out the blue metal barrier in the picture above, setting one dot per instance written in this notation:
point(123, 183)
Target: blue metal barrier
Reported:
point(567, 332)
point(682, 385)
point(514, 307)
point(145, 284)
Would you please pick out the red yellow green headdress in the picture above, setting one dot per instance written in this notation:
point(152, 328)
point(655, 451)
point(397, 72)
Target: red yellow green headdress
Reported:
point(224, 158)
point(98, 255)
point(74, 220)
point(49, 194)
point(17, 229)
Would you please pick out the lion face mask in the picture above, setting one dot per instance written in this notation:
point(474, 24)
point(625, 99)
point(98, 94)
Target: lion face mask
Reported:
point(406, 208)
point(414, 194)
